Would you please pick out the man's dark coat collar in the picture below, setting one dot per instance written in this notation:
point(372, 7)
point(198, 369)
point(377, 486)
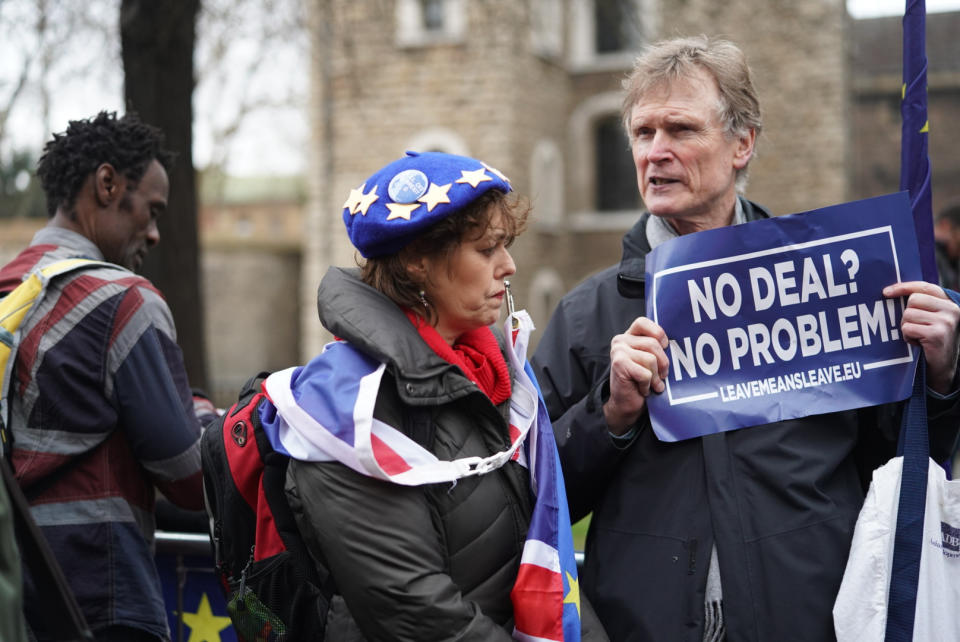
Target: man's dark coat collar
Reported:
point(630, 277)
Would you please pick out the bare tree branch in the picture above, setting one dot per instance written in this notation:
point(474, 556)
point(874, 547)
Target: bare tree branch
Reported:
point(15, 94)
point(238, 56)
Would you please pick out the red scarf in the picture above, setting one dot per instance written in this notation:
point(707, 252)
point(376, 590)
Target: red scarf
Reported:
point(476, 352)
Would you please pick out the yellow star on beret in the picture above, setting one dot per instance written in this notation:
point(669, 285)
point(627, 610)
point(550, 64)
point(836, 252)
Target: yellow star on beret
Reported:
point(435, 195)
point(367, 200)
point(494, 170)
point(474, 177)
point(401, 210)
point(354, 199)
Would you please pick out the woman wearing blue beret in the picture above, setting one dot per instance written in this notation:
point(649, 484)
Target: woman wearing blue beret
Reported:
point(424, 474)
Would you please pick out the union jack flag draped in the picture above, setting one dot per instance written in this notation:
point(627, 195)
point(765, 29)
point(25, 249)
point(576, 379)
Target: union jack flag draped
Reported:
point(325, 413)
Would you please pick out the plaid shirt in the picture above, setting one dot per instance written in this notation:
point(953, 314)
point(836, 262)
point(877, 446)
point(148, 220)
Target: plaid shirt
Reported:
point(101, 415)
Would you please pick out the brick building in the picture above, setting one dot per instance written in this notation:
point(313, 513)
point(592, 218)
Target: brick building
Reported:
point(250, 236)
point(877, 79)
point(533, 88)
point(527, 86)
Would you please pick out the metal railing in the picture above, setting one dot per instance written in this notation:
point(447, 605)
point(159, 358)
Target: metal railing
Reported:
point(182, 547)
point(183, 543)
point(187, 547)
point(199, 544)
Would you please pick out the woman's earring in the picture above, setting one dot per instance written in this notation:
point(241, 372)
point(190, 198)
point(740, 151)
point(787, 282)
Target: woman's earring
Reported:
point(423, 299)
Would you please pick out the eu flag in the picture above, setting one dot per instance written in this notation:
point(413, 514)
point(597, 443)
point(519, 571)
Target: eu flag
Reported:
point(196, 607)
point(914, 177)
point(914, 161)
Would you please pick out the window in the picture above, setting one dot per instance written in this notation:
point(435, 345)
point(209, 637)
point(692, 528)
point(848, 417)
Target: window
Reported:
point(603, 190)
point(432, 13)
point(546, 290)
point(546, 27)
point(616, 26)
point(546, 184)
point(608, 34)
point(421, 23)
point(615, 176)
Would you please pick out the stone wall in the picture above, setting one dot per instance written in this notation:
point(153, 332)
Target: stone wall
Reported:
point(876, 64)
point(251, 266)
point(798, 53)
point(252, 314)
point(500, 98)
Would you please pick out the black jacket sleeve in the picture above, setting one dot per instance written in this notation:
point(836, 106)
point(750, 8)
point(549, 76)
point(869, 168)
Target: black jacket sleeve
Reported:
point(943, 413)
point(574, 379)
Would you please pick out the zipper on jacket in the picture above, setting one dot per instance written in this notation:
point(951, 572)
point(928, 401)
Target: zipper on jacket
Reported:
point(692, 562)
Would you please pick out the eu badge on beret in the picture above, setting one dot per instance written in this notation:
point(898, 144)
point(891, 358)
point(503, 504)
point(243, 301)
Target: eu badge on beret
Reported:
point(410, 194)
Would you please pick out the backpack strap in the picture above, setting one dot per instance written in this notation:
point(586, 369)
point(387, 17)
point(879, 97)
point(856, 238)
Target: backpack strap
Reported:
point(14, 310)
point(44, 569)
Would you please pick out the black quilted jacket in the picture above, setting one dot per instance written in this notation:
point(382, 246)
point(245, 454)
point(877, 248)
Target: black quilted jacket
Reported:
point(434, 562)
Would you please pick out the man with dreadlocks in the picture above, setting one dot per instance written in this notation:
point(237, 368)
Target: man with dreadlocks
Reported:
point(100, 409)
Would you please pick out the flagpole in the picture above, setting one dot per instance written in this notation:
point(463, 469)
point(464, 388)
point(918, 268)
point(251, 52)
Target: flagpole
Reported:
point(914, 159)
point(913, 445)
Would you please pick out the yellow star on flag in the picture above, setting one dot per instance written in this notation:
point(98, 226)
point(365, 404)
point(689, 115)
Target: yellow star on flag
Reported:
point(366, 201)
point(435, 195)
point(204, 625)
point(496, 171)
point(903, 94)
point(354, 199)
point(401, 210)
point(474, 177)
point(573, 595)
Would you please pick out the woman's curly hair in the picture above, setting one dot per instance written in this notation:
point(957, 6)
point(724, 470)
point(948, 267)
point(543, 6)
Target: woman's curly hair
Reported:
point(389, 274)
point(127, 143)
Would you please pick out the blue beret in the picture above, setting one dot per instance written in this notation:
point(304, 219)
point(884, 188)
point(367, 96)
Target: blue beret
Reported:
point(407, 196)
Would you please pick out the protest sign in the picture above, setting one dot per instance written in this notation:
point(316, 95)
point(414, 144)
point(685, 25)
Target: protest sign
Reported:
point(783, 318)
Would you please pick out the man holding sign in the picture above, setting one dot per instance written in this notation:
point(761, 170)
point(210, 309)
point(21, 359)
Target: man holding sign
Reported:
point(737, 534)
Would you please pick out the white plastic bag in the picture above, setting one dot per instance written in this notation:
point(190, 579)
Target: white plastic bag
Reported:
point(860, 612)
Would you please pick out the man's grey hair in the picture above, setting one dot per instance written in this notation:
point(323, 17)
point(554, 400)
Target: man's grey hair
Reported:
point(666, 61)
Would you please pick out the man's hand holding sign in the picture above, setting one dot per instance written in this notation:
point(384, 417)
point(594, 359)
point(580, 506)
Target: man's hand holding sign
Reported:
point(639, 363)
point(638, 367)
point(930, 321)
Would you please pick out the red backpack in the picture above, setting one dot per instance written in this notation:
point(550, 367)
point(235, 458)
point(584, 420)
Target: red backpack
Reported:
point(274, 588)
